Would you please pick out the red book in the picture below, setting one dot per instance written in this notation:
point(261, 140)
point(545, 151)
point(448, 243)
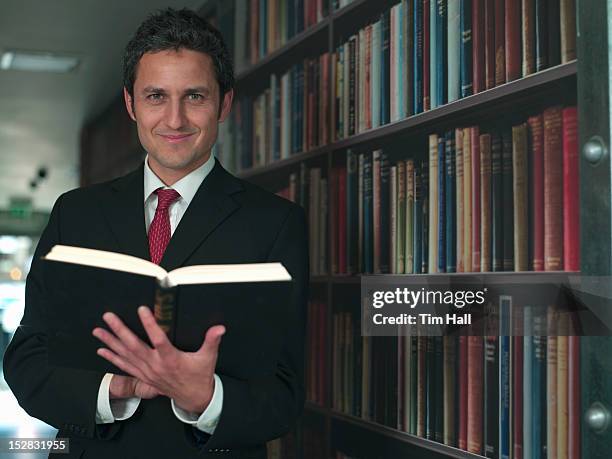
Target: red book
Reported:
point(462, 381)
point(500, 43)
point(490, 32)
point(254, 49)
point(426, 99)
point(573, 390)
point(571, 191)
point(475, 155)
point(478, 46)
point(341, 219)
point(513, 40)
point(536, 145)
point(475, 390)
point(553, 189)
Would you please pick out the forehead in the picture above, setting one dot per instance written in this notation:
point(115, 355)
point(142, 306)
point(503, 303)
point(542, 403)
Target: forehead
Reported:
point(174, 69)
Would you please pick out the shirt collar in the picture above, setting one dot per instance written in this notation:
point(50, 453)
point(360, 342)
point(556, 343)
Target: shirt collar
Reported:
point(186, 187)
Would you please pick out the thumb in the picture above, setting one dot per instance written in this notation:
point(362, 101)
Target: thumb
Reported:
point(212, 339)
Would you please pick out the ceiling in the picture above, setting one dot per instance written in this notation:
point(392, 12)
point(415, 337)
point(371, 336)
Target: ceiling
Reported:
point(41, 114)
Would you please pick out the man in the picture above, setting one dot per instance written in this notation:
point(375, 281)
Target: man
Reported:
point(181, 207)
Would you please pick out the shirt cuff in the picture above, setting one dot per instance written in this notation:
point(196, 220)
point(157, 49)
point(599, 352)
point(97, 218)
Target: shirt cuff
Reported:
point(208, 420)
point(119, 409)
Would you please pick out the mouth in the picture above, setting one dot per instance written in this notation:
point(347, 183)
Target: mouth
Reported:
point(176, 138)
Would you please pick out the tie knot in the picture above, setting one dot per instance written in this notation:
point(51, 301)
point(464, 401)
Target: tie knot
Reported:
point(166, 197)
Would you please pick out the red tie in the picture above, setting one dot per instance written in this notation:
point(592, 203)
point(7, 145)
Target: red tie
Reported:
point(159, 231)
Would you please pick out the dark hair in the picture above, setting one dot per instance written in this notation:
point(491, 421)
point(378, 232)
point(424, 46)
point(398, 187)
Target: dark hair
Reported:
point(175, 29)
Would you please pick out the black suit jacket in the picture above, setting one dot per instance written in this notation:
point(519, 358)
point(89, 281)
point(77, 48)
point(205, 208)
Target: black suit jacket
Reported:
point(228, 221)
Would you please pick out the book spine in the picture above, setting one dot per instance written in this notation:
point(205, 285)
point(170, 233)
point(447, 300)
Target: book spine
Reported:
point(527, 382)
point(425, 185)
point(571, 191)
point(536, 143)
point(485, 202)
point(551, 387)
point(513, 40)
point(401, 218)
point(573, 389)
point(454, 50)
point(417, 225)
point(360, 213)
point(441, 52)
point(342, 216)
point(553, 189)
point(438, 389)
point(385, 214)
point(451, 203)
point(505, 379)
point(462, 376)
point(508, 201)
point(492, 400)
point(368, 254)
point(413, 394)
point(407, 52)
point(489, 43)
point(562, 387)
point(433, 54)
point(497, 206)
point(541, 35)
point(450, 386)
point(539, 387)
point(517, 387)
point(433, 203)
point(426, 77)
point(475, 194)
point(568, 30)
point(421, 386)
point(475, 390)
point(478, 46)
point(554, 32)
point(466, 47)
point(441, 237)
point(418, 65)
point(392, 232)
point(376, 74)
point(467, 200)
point(164, 309)
point(519, 188)
point(410, 222)
point(334, 221)
point(385, 68)
point(352, 84)
point(500, 43)
point(529, 40)
point(351, 212)
point(376, 209)
point(459, 210)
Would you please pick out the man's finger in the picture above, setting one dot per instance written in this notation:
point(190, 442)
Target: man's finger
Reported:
point(156, 335)
point(122, 364)
point(212, 340)
point(112, 342)
point(129, 339)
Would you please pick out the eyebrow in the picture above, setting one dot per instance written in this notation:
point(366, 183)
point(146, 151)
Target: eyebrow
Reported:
point(152, 89)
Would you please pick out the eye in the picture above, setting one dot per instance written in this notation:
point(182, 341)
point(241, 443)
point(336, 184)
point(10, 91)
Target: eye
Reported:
point(155, 97)
point(196, 97)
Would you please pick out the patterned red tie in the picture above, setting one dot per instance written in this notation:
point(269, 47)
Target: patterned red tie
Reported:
point(159, 231)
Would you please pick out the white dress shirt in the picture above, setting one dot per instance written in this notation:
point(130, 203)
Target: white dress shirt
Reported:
point(119, 409)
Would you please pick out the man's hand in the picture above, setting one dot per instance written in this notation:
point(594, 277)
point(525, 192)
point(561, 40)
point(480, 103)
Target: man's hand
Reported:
point(186, 377)
point(127, 386)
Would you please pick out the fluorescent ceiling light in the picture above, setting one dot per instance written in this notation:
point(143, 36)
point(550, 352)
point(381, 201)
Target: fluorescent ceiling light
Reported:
point(37, 62)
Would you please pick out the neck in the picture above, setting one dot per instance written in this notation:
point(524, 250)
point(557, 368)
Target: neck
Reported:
point(171, 176)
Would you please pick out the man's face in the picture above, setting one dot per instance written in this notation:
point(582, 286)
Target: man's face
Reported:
point(176, 109)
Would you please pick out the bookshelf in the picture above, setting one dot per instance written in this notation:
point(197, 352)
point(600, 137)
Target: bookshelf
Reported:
point(323, 431)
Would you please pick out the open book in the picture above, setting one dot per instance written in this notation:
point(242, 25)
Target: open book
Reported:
point(84, 283)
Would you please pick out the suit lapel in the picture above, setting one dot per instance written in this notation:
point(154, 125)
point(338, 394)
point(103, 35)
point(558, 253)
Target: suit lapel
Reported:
point(125, 212)
point(210, 206)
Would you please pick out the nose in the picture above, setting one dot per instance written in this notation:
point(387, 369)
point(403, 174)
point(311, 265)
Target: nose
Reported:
point(175, 115)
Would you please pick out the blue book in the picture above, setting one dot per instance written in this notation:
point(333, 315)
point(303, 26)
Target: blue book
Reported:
point(441, 51)
point(299, 10)
point(291, 17)
point(441, 204)
point(451, 204)
point(368, 215)
point(385, 62)
point(418, 215)
point(401, 66)
point(465, 62)
point(425, 216)
point(505, 362)
point(453, 51)
point(263, 28)
point(417, 58)
point(527, 378)
point(433, 54)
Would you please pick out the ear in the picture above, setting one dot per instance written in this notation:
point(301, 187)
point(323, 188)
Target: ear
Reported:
point(129, 103)
point(226, 106)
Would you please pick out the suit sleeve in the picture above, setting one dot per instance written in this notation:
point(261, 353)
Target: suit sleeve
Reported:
point(62, 397)
point(258, 410)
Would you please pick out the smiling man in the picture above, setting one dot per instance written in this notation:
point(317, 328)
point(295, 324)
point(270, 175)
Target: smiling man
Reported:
point(180, 208)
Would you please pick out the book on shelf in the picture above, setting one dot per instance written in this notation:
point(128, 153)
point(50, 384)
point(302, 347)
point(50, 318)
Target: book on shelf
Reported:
point(85, 283)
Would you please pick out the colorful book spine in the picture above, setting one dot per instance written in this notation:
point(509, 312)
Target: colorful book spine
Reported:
point(417, 219)
point(466, 47)
point(441, 51)
point(475, 195)
point(385, 61)
point(497, 203)
point(467, 200)
point(489, 43)
point(459, 210)
point(410, 222)
point(426, 26)
point(425, 230)
point(478, 46)
point(485, 202)
point(528, 36)
point(571, 191)
point(417, 56)
point(451, 203)
point(434, 188)
point(475, 378)
point(500, 43)
point(441, 238)
point(385, 214)
point(400, 251)
point(433, 54)
point(513, 40)
point(454, 50)
point(520, 184)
